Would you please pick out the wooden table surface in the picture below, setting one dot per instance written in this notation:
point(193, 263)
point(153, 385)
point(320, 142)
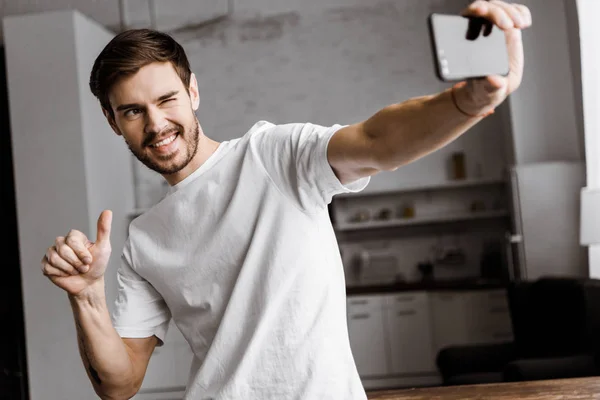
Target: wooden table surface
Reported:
point(566, 389)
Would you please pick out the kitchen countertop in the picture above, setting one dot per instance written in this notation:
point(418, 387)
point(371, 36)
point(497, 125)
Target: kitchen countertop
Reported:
point(571, 389)
point(462, 284)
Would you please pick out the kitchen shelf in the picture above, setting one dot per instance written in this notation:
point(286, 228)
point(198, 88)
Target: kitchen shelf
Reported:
point(457, 184)
point(434, 219)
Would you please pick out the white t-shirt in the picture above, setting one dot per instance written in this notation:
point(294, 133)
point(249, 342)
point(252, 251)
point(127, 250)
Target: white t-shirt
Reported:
point(242, 255)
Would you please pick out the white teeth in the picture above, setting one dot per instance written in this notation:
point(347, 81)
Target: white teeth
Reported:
point(165, 141)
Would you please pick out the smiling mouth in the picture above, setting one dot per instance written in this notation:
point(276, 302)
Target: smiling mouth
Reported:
point(164, 142)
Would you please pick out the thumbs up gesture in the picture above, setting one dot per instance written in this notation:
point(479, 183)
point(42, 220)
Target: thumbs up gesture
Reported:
point(74, 263)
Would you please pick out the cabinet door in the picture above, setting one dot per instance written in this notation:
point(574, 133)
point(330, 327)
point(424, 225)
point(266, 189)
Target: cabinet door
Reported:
point(489, 317)
point(410, 334)
point(365, 328)
point(449, 319)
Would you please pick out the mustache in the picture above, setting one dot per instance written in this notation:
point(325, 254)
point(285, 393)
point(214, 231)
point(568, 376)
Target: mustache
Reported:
point(153, 135)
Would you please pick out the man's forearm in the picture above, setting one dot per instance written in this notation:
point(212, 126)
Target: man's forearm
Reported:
point(102, 350)
point(407, 131)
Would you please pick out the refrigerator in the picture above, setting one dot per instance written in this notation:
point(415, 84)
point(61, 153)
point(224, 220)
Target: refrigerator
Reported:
point(545, 214)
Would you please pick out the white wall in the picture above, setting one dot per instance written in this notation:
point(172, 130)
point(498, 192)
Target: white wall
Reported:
point(113, 14)
point(269, 7)
point(544, 109)
point(69, 166)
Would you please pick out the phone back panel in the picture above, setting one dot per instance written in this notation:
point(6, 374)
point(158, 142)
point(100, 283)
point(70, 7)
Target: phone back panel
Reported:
point(458, 58)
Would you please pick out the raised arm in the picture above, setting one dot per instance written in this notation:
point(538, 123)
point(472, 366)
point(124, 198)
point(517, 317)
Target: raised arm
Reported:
point(115, 366)
point(404, 132)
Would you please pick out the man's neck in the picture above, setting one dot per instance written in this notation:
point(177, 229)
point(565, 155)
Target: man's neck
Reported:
point(206, 148)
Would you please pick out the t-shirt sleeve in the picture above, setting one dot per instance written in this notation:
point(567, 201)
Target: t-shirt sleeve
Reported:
point(295, 157)
point(140, 310)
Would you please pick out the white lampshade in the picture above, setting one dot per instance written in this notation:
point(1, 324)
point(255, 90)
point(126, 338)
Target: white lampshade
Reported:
point(590, 216)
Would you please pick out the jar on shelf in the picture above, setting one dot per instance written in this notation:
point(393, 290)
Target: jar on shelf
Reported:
point(459, 167)
point(406, 210)
point(362, 215)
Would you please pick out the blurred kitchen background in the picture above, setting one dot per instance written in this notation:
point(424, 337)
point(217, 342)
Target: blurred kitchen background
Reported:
point(432, 252)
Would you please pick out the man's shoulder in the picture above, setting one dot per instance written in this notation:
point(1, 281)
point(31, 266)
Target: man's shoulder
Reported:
point(264, 126)
point(260, 126)
point(258, 129)
point(267, 133)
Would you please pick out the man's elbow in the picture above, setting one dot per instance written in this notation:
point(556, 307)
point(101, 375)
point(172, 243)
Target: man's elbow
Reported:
point(386, 159)
point(121, 393)
point(381, 154)
point(116, 396)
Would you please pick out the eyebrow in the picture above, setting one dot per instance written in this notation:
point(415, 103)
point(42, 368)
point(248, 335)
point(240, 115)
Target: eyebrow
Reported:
point(135, 105)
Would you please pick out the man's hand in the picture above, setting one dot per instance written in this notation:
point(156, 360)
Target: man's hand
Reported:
point(74, 263)
point(478, 96)
point(402, 133)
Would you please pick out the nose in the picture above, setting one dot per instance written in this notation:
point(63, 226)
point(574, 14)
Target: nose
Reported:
point(155, 121)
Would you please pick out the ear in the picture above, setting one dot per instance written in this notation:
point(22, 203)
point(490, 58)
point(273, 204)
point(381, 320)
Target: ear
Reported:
point(111, 122)
point(194, 93)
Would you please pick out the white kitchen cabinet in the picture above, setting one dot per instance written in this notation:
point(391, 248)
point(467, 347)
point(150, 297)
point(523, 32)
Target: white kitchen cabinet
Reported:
point(367, 335)
point(470, 317)
point(395, 338)
point(489, 317)
point(409, 330)
point(449, 319)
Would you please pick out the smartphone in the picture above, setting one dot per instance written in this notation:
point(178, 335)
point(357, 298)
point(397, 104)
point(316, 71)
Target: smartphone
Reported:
point(466, 47)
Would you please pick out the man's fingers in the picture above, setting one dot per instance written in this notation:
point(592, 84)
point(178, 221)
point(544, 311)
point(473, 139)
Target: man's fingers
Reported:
point(56, 261)
point(104, 224)
point(525, 12)
point(77, 242)
point(495, 83)
point(513, 13)
point(49, 271)
point(490, 11)
point(67, 253)
point(53, 272)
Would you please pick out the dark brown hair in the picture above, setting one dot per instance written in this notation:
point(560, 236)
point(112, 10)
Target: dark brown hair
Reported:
point(131, 50)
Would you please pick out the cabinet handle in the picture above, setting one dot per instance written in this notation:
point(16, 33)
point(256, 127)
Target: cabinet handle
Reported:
point(361, 316)
point(405, 298)
point(404, 313)
point(356, 302)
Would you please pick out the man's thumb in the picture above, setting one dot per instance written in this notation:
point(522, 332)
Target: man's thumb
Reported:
point(104, 222)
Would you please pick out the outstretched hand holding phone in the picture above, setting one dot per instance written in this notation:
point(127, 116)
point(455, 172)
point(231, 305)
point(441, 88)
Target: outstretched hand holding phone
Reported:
point(489, 59)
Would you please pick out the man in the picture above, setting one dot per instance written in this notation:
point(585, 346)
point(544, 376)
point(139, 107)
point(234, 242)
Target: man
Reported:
point(241, 253)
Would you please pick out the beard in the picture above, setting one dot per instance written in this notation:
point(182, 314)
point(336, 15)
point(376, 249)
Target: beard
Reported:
point(167, 164)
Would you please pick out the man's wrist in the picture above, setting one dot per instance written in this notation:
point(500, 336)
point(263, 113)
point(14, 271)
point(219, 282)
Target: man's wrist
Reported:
point(471, 101)
point(92, 295)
